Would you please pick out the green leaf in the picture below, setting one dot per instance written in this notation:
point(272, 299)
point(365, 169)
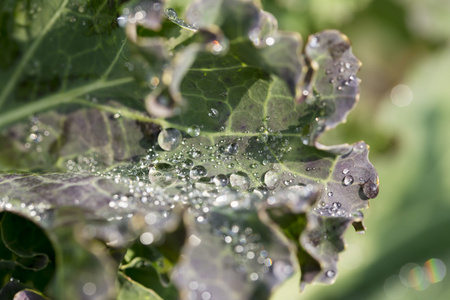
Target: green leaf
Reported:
point(130, 289)
point(232, 240)
point(335, 83)
point(72, 52)
point(190, 143)
point(28, 295)
point(26, 253)
point(149, 274)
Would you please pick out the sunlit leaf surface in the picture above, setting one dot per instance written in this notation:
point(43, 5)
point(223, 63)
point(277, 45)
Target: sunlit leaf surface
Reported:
point(193, 136)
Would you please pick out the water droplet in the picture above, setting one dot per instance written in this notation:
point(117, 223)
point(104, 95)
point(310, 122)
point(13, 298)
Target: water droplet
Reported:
point(213, 113)
point(336, 204)
point(230, 165)
point(263, 138)
point(347, 180)
point(171, 13)
point(220, 180)
point(262, 192)
point(271, 179)
point(240, 180)
point(188, 163)
point(330, 194)
point(314, 42)
point(162, 174)
point(169, 139)
point(262, 34)
point(345, 171)
point(198, 171)
point(330, 273)
point(231, 149)
point(341, 212)
point(359, 148)
point(194, 130)
point(370, 189)
point(195, 154)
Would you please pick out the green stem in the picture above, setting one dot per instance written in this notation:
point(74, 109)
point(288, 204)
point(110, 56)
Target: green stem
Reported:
point(124, 112)
point(57, 99)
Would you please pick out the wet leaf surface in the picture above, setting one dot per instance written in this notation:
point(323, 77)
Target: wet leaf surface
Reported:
point(182, 146)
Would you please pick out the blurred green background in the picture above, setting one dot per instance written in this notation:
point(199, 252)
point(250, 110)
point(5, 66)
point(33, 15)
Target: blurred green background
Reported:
point(404, 115)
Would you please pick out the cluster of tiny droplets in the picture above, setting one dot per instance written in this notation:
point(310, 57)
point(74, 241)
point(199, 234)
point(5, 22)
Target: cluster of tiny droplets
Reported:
point(340, 72)
point(37, 134)
point(162, 180)
point(251, 256)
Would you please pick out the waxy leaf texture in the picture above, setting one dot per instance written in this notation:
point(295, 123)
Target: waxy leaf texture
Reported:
point(170, 155)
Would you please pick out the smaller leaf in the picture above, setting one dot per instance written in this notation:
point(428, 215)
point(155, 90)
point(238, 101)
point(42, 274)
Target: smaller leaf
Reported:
point(322, 240)
point(232, 255)
point(10, 288)
point(29, 295)
point(26, 253)
point(334, 87)
point(148, 274)
point(130, 289)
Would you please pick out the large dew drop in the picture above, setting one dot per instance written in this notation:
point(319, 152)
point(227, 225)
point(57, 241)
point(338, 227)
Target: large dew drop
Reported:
point(231, 149)
point(370, 189)
point(162, 174)
point(198, 171)
point(240, 180)
point(220, 180)
point(194, 130)
point(330, 273)
point(169, 139)
point(359, 148)
point(213, 113)
point(171, 14)
point(271, 179)
point(314, 41)
point(347, 180)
